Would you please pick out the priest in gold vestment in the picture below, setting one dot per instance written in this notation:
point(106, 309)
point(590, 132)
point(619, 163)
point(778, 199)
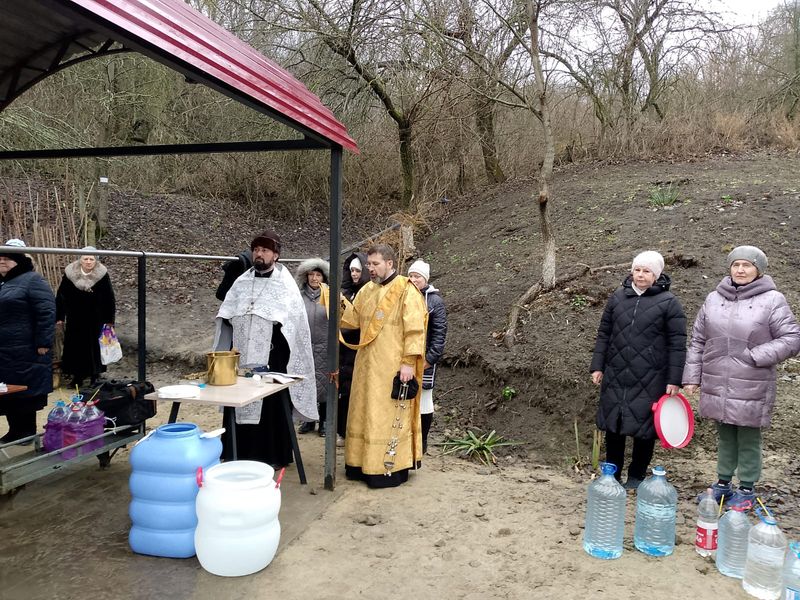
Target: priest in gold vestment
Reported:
point(384, 440)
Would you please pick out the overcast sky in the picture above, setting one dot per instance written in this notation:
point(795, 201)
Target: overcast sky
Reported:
point(746, 12)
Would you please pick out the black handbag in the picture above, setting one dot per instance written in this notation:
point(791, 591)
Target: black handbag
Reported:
point(413, 387)
point(123, 401)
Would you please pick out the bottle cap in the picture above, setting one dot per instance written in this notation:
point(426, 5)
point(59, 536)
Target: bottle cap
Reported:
point(608, 468)
point(659, 470)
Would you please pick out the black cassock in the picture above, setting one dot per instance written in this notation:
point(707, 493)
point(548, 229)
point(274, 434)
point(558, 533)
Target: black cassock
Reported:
point(84, 314)
point(269, 441)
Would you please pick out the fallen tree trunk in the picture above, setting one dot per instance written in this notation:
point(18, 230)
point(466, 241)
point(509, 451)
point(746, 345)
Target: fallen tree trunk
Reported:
point(538, 288)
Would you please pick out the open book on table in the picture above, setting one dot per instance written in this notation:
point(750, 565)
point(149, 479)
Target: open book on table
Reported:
point(279, 377)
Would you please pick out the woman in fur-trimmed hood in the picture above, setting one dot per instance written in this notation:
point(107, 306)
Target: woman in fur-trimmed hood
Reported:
point(312, 279)
point(84, 304)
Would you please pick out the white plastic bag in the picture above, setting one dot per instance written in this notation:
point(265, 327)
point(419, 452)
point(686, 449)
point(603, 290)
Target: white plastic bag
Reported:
point(110, 350)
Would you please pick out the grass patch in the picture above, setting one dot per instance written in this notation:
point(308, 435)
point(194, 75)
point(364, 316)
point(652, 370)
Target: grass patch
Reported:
point(579, 302)
point(663, 196)
point(475, 447)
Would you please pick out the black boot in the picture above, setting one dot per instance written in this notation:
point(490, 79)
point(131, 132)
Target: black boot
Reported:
point(306, 427)
point(322, 415)
point(21, 424)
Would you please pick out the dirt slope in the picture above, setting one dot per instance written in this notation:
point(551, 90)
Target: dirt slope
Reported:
point(484, 252)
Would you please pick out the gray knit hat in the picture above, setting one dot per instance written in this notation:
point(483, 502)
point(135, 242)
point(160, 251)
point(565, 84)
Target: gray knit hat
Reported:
point(751, 254)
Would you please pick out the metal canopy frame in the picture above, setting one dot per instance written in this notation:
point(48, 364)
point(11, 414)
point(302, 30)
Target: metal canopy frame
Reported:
point(174, 34)
point(56, 55)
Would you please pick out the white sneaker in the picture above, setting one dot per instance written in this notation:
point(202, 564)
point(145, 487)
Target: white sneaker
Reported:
point(339, 441)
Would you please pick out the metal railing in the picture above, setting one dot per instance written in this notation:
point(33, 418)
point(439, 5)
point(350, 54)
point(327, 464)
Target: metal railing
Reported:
point(141, 281)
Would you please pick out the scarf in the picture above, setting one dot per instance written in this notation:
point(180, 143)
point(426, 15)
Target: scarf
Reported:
point(82, 280)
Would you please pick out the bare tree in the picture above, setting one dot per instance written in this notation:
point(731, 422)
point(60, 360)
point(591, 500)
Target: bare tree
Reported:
point(777, 51)
point(626, 54)
point(488, 44)
point(374, 40)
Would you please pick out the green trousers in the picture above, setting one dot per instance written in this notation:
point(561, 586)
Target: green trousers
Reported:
point(740, 453)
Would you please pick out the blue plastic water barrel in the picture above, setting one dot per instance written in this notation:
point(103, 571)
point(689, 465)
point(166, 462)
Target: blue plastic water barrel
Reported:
point(163, 488)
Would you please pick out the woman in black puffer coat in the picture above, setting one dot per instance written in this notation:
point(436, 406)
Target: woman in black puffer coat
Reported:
point(638, 356)
point(436, 334)
point(27, 329)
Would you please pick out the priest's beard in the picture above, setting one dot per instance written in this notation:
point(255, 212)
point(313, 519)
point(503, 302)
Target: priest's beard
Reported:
point(262, 266)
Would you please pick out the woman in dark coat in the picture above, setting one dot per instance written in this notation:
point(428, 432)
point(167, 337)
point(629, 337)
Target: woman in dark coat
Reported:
point(312, 279)
point(638, 356)
point(27, 329)
point(85, 302)
point(436, 333)
point(354, 277)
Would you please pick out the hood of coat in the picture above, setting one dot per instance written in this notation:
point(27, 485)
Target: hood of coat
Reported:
point(758, 286)
point(347, 281)
point(311, 264)
point(662, 284)
point(85, 282)
point(24, 264)
point(429, 289)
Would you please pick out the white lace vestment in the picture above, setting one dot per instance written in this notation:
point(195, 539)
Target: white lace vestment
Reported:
point(252, 306)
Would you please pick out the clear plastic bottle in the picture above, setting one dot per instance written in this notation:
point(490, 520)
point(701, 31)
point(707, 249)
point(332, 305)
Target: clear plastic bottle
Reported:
point(73, 429)
point(791, 573)
point(95, 419)
point(54, 429)
point(734, 528)
point(656, 506)
point(605, 515)
point(766, 548)
point(705, 542)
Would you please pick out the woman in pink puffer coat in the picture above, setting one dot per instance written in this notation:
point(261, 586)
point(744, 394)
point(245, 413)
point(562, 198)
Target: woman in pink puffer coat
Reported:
point(743, 330)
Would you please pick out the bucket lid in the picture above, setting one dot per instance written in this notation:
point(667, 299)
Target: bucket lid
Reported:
point(240, 475)
point(674, 420)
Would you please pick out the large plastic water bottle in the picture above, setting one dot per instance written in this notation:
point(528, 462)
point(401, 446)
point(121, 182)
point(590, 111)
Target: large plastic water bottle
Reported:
point(95, 420)
point(605, 515)
point(53, 438)
point(73, 429)
point(791, 573)
point(766, 548)
point(734, 529)
point(705, 542)
point(656, 505)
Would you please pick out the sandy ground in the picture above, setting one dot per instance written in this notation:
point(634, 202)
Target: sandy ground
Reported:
point(457, 529)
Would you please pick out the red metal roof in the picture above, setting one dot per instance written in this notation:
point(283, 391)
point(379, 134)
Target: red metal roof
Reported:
point(173, 33)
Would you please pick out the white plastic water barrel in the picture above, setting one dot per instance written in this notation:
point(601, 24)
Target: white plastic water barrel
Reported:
point(237, 518)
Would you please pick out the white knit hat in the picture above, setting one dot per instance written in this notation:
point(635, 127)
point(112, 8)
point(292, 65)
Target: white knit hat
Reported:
point(422, 268)
point(356, 264)
point(16, 243)
point(650, 259)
